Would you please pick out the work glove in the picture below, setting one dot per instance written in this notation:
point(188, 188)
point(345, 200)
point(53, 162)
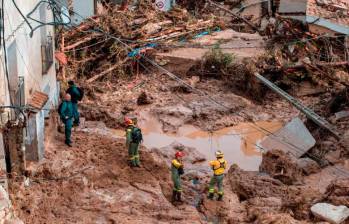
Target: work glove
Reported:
point(180, 170)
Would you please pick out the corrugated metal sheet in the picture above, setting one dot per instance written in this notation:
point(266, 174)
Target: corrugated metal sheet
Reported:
point(294, 139)
point(38, 100)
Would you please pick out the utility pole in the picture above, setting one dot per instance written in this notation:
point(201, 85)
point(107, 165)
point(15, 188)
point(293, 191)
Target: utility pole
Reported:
point(317, 119)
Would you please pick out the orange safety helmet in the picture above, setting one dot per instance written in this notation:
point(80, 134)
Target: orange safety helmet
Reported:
point(179, 154)
point(128, 121)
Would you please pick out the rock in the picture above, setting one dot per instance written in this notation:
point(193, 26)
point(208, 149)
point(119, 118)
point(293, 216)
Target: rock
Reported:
point(308, 166)
point(330, 213)
point(281, 166)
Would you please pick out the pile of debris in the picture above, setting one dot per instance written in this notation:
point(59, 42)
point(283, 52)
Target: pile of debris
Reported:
point(111, 43)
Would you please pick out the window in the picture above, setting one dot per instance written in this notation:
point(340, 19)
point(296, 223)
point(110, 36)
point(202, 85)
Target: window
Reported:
point(47, 54)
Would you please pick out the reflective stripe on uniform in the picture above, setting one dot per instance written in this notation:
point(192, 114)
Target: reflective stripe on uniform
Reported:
point(177, 189)
point(211, 190)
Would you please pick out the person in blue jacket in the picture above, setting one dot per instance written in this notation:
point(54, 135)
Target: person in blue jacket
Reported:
point(67, 113)
point(75, 94)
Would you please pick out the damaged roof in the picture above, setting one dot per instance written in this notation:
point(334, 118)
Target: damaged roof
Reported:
point(38, 100)
point(330, 14)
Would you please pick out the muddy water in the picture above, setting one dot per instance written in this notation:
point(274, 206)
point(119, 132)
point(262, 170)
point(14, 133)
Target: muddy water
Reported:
point(238, 143)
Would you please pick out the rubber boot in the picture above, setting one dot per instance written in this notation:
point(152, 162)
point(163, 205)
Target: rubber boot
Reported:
point(174, 196)
point(210, 196)
point(179, 197)
point(220, 198)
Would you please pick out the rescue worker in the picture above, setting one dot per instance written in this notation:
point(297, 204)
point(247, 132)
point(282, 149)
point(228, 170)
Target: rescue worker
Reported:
point(75, 94)
point(133, 139)
point(66, 114)
point(218, 166)
point(177, 170)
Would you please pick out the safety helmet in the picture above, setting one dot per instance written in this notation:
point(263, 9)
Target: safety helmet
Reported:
point(128, 121)
point(219, 154)
point(179, 154)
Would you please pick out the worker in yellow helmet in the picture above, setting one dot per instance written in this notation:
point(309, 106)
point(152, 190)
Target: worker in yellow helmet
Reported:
point(218, 166)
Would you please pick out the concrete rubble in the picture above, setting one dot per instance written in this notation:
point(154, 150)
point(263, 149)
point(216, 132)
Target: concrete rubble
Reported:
point(299, 138)
point(330, 213)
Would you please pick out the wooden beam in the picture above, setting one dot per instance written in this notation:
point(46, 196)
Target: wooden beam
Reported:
point(235, 15)
point(100, 75)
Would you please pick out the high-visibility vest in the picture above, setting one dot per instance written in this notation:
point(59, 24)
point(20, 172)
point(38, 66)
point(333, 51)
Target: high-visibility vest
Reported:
point(218, 166)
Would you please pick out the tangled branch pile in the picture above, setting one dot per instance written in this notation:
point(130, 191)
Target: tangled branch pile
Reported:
point(95, 54)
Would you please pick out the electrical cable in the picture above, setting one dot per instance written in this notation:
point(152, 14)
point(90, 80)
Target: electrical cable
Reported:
point(20, 12)
point(55, 12)
point(5, 50)
point(36, 82)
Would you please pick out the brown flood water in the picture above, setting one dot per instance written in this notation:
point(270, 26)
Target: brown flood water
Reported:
point(238, 143)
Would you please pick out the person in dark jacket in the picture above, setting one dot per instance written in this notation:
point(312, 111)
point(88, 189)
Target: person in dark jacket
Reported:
point(66, 113)
point(75, 94)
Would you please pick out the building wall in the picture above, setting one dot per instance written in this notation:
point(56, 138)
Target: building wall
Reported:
point(29, 62)
point(27, 59)
point(83, 9)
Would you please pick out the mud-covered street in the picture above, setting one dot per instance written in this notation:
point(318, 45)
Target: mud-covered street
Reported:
point(250, 82)
point(92, 182)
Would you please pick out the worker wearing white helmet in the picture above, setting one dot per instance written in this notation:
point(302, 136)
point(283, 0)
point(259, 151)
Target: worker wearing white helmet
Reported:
point(218, 166)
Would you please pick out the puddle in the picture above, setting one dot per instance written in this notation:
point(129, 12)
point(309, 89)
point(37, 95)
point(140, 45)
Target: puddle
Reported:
point(237, 149)
point(238, 143)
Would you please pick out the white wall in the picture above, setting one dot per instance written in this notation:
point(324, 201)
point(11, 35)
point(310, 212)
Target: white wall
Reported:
point(28, 49)
point(29, 60)
point(84, 9)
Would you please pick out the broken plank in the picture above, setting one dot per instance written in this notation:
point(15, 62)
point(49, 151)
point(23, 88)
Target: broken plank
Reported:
point(86, 39)
point(94, 78)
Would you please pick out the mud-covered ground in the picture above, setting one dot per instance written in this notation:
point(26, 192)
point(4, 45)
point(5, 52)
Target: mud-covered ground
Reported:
point(92, 183)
